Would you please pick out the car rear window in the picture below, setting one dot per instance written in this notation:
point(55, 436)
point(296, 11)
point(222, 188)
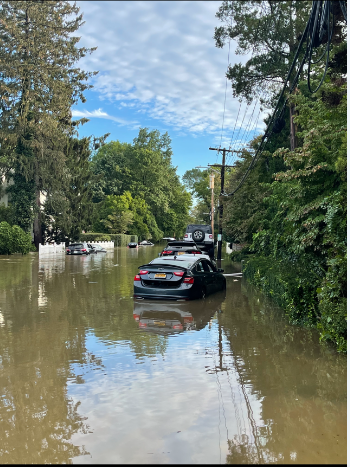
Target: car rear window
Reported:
point(76, 245)
point(176, 262)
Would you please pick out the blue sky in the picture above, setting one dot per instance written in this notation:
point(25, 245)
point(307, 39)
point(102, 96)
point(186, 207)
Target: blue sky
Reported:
point(159, 68)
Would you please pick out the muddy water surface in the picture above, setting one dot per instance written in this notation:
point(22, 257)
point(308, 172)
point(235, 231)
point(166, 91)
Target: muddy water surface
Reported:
point(88, 375)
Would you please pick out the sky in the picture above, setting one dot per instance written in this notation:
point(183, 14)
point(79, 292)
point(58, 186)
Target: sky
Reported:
point(159, 68)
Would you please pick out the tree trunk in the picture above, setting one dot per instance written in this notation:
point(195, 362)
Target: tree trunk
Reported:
point(38, 237)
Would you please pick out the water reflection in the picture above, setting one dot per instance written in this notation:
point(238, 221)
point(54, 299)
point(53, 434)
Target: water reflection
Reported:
point(174, 317)
point(83, 382)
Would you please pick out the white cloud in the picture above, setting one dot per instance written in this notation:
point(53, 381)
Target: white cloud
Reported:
point(160, 57)
point(100, 114)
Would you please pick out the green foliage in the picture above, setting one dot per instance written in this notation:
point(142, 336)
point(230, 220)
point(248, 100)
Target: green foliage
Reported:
point(269, 31)
point(103, 238)
point(118, 239)
point(14, 240)
point(39, 83)
point(300, 248)
point(6, 214)
point(22, 200)
point(240, 255)
point(136, 189)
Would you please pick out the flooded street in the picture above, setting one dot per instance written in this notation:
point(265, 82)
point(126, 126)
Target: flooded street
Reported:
point(90, 375)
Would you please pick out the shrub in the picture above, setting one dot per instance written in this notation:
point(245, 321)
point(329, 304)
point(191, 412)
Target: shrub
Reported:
point(14, 239)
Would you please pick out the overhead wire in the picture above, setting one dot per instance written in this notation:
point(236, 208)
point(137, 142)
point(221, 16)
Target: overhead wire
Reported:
point(268, 129)
point(314, 24)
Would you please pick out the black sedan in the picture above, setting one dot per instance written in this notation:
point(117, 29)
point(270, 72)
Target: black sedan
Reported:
point(182, 277)
point(133, 245)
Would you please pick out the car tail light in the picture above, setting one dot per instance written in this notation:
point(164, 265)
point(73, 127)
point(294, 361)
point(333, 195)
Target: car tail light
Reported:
point(197, 252)
point(136, 317)
point(177, 326)
point(188, 319)
point(143, 272)
point(186, 236)
point(68, 249)
point(83, 249)
point(189, 280)
point(179, 273)
point(142, 325)
point(167, 252)
point(137, 278)
point(210, 236)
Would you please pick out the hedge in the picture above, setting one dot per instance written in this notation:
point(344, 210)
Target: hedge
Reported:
point(119, 239)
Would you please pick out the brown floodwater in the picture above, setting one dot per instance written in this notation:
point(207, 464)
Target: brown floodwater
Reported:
point(90, 375)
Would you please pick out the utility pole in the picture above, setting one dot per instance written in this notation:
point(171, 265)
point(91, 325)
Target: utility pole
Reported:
point(221, 207)
point(211, 186)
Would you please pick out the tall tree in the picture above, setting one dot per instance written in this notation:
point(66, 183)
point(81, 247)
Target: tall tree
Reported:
point(39, 83)
point(270, 32)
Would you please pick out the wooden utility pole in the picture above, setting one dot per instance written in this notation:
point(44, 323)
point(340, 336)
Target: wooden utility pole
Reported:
point(211, 185)
point(221, 207)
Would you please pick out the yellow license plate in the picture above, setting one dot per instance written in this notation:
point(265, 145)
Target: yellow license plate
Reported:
point(159, 323)
point(160, 276)
point(181, 252)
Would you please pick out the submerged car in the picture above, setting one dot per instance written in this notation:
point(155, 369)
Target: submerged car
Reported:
point(78, 249)
point(132, 245)
point(98, 249)
point(146, 243)
point(182, 277)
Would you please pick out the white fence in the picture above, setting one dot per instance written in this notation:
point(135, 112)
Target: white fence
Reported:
point(51, 248)
point(103, 244)
point(230, 247)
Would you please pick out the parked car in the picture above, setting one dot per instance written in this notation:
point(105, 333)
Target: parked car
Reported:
point(202, 235)
point(146, 243)
point(91, 249)
point(133, 245)
point(98, 249)
point(182, 277)
point(180, 248)
point(78, 249)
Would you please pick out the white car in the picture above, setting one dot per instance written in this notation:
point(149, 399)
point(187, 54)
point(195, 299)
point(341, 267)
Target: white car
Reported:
point(203, 237)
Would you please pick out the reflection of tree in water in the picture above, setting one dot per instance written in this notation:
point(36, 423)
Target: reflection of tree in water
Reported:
point(37, 419)
point(300, 384)
point(241, 451)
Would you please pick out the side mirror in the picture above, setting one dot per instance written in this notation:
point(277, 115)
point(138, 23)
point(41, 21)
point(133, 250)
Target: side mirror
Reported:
point(220, 270)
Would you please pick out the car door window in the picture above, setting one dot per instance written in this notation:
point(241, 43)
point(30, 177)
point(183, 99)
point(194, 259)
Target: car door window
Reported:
point(206, 266)
point(199, 267)
point(209, 266)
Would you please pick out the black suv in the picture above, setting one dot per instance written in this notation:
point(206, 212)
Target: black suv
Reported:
point(203, 237)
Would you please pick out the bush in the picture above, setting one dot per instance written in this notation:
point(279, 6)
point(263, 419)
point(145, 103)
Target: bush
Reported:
point(14, 240)
point(244, 253)
point(103, 238)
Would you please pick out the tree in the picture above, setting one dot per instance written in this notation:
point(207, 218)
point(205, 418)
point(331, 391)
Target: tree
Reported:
point(143, 169)
point(269, 31)
point(38, 84)
point(69, 209)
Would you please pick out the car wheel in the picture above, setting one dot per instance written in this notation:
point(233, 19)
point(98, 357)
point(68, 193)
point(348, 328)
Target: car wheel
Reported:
point(203, 292)
point(198, 235)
